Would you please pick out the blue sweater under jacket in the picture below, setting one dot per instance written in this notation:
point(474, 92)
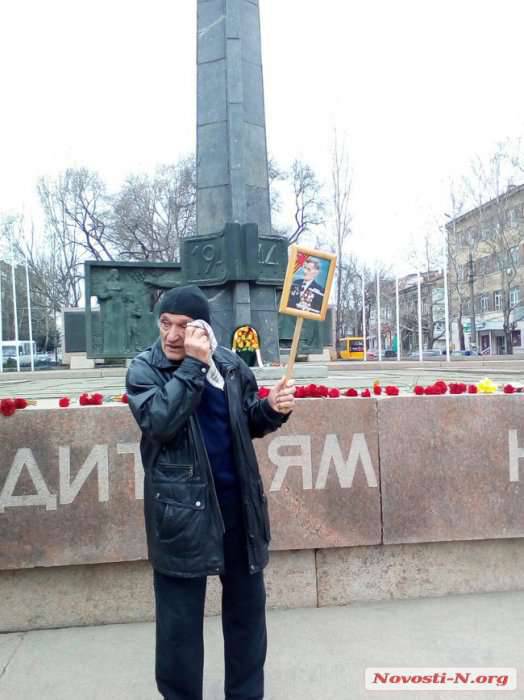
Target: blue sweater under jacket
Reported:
point(213, 416)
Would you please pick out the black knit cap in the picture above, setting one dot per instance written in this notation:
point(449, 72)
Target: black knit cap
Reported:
point(187, 301)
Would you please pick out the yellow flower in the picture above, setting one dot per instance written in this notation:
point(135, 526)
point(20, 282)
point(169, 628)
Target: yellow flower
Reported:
point(486, 386)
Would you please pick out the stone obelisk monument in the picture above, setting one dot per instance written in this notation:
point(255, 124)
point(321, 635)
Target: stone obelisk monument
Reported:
point(232, 167)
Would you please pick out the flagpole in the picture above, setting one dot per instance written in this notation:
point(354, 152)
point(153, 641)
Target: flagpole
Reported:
point(419, 307)
point(379, 325)
point(398, 319)
point(364, 317)
point(29, 316)
point(15, 307)
point(446, 300)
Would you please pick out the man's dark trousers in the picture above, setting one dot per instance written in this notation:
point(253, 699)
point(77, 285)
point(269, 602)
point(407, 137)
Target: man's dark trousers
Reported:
point(180, 602)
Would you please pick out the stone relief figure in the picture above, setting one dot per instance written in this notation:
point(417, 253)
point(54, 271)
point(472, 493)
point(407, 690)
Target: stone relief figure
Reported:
point(134, 313)
point(112, 313)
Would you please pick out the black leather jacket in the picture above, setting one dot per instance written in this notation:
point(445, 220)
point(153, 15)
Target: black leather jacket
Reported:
point(183, 521)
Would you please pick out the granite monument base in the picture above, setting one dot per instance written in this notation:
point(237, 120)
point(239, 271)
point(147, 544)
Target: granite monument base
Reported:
point(369, 499)
point(68, 596)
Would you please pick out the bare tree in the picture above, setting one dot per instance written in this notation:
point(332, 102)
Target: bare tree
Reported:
point(340, 198)
point(152, 214)
point(276, 175)
point(426, 255)
point(355, 275)
point(77, 210)
point(48, 289)
point(309, 204)
point(296, 192)
point(432, 311)
point(459, 289)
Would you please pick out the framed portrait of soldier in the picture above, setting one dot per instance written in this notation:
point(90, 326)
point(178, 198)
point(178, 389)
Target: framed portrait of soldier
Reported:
point(308, 283)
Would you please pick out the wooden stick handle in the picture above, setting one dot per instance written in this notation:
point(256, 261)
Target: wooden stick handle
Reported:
point(294, 347)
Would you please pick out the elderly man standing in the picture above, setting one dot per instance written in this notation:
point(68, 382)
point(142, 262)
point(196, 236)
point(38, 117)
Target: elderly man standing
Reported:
point(205, 509)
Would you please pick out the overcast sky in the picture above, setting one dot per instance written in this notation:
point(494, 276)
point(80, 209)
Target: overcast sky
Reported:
point(418, 87)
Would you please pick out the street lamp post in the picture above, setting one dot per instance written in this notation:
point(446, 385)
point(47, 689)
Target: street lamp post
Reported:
point(471, 280)
point(364, 317)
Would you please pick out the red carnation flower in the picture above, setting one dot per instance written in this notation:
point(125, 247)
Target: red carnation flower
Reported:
point(125, 398)
point(509, 389)
point(64, 402)
point(300, 392)
point(323, 391)
point(333, 393)
point(366, 393)
point(440, 387)
point(418, 390)
point(377, 389)
point(263, 392)
point(392, 391)
point(7, 407)
point(97, 399)
point(83, 400)
point(351, 392)
point(20, 403)
point(457, 388)
point(472, 389)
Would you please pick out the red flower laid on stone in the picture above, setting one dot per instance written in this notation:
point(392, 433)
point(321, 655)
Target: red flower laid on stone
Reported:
point(392, 390)
point(457, 388)
point(418, 390)
point(125, 398)
point(351, 392)
point(366, 394)
point(472, 389)
point(64, 402)
point(334, 393)
point(435, 389)
point(7, 407)
point(263, 392)
point(300, 392)
point(377, 389)
point(20, 403)
point(509, 389)
point(95, 399)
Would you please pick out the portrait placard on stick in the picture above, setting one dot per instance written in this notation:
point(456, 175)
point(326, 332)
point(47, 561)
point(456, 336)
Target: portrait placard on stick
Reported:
point(307, 286)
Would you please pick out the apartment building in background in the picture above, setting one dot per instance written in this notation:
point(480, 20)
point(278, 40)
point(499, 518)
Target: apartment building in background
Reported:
point(486, 275)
